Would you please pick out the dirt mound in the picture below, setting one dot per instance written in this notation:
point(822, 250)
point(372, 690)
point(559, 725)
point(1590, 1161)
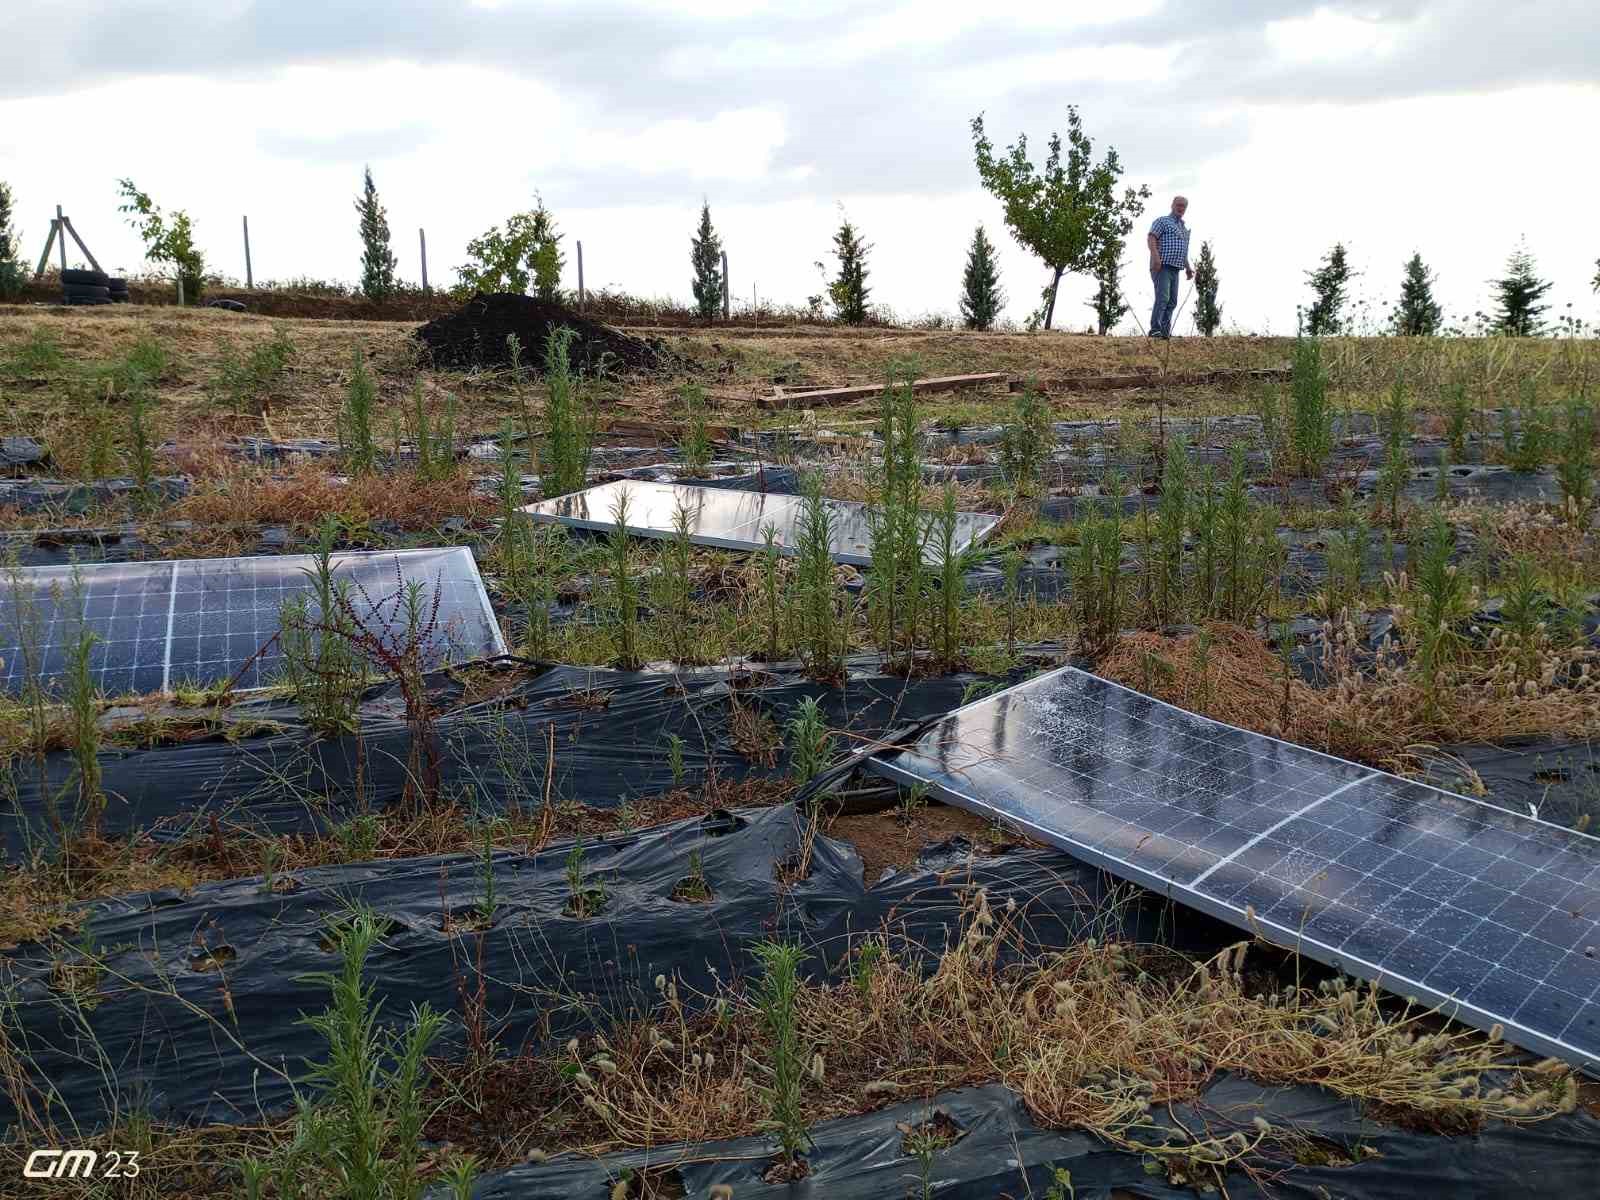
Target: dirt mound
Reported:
point(475, 336)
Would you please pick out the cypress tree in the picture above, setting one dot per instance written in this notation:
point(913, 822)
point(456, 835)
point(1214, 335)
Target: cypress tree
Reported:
point(705, 254)
point(10, 269)
point(981, 295)
point(1328, 282)
point(1109, 304)
point(1520, 290)
point(1207, 312)
point(377, 263)
point(1418, 314)
point(545, 259)
point(849, 290)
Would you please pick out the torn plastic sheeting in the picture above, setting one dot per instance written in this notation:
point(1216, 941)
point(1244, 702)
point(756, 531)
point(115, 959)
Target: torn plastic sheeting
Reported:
point(1002, 1152)
point(611, 734)
point(196, 1006)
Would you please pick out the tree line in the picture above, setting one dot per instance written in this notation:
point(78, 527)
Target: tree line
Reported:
point(1072, 212)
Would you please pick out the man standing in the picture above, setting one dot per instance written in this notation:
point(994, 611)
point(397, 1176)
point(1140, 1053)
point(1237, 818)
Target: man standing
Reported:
point(1169, 253)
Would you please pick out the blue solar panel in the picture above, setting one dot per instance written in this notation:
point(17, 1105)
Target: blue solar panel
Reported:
point(199, 621)
point(1491, 915)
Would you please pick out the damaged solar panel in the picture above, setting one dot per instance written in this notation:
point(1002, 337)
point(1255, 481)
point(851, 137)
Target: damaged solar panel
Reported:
point(203, 621)
point(1491, 915)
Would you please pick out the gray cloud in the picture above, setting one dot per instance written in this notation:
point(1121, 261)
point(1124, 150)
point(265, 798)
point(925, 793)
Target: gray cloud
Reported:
point(363, 146)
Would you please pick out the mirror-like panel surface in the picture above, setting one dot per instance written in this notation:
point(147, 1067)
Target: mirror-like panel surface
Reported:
point(1492, 915)
point(729, 519)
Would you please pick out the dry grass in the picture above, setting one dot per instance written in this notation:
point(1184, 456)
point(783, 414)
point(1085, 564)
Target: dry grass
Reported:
point(1383, 716)
point(1092, 1037)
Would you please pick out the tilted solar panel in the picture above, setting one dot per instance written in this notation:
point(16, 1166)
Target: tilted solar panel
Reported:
point(199, 621)
point(732, 520)
point(1492, 915)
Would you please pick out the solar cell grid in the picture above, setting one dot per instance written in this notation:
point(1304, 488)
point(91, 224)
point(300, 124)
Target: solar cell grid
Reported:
point(165, 624)
point(1492, 914)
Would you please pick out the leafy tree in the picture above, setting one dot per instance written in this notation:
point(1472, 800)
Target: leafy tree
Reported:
point(1519, 292)
point(849, 290)
point(1207, 312)
point(507, 260)
point(1109, 303)
point(10, 268)
point(1328, 282)
point(1418, 315)
point(377, 262)
point(705, 254)
point(1066, 213)
point(981, 295)
point(168, 238)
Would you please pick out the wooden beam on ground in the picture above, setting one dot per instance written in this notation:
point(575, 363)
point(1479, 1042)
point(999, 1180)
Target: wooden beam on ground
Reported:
point(829, 397)
point(1114, 383)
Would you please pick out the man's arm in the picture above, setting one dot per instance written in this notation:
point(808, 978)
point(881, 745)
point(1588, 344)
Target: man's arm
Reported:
point(1155, 251)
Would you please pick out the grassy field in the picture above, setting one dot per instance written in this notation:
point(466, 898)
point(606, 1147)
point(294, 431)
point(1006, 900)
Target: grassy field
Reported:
point(1302, 562)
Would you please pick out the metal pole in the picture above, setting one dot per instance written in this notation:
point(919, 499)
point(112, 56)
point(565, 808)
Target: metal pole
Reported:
point(580, 277)
point(422, 241)
point(725, 297)
point(249, 278)
point(62, 224)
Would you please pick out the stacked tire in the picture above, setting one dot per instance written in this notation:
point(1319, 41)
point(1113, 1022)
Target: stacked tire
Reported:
point(118, 287)
point(87, 287)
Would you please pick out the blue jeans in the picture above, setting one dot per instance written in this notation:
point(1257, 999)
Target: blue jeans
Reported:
point(1166, 281)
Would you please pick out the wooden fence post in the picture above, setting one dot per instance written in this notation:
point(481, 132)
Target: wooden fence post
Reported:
point(49, 243)
point(422, 242)
point(725, 297)
point(581, 296)
point(249, 277)
point(61, 225)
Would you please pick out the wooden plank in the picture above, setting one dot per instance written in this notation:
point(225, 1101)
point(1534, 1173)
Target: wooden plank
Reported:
point(1112, 383)
point(828, 397)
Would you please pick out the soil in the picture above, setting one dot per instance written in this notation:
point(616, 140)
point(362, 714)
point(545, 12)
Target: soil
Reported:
point(887, 843)
point(475, 336)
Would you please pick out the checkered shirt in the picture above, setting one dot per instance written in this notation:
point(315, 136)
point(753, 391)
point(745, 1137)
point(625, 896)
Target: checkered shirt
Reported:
point(1173, 237)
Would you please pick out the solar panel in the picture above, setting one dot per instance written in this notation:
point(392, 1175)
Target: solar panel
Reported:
point(198, 621)
point(1491, 915)
point(733, 520)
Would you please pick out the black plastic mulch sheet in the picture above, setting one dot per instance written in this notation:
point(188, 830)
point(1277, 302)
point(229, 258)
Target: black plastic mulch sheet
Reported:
point(193, 1013)
point(611, 733)
point(1001, 1153)
point(1556, 779)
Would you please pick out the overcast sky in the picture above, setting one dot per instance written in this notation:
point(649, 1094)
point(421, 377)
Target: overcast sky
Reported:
point(1453, 127)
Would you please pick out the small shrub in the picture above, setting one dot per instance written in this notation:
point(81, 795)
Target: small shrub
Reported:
point(624, 587)
point(1525, 435)
point(1094, 566)
point(141, 443)
point(1575, 461)
point(694, 444)
point(355, 428)
point(820, 632)
point(83, 723)
point(1395, 424)
point(1310, 412)
point(322, 668)
point(776, 999)
point(247, 384)
point(1458, 414)
point(584, 899)
point(569, 441)
point(1025, 443)
point(895, 522)
point(433, 439)
point(808, 741)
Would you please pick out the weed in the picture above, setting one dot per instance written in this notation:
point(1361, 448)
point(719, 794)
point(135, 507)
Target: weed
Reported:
point(1443, 600)
point(1095, 568)
point(820, 635)
point(694, 446)
point(624, 587)
point(1575, 461)
point(693, 888)
point(1458, 413)
point(1274, 436)
point(1011, 565)
point(354, 422)
point(675, 584)
point(141, 443)
point(675, 759)
point(910, 802)
point(322, 667)
point(1347, 551)
point(83, 717)
point(864, 966)
point(953, 564)
point(1026, 442)
point(1172, 520)
point(1525, 434)
point(569, 440)
point(434, 441)
point(808, 741)
point(40, 356)
point(895, 521)
point(363, 1138)
point(769, 589)
point(247, 384)
point(1395, 423)
point(584, 899)
point(1310, 413)
point(776, 1000)
point(461, 1173)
